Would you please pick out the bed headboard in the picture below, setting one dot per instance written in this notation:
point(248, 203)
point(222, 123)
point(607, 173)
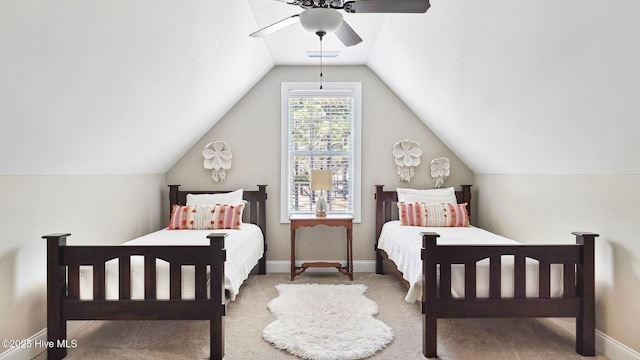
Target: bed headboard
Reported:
point(254, 212)
point(387, 210)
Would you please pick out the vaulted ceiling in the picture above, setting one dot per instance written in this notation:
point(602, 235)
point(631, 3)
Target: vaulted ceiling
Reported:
point(126, 87)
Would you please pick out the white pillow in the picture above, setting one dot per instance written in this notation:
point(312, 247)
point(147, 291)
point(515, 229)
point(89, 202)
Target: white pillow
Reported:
point(429, 196)
point(229, 198)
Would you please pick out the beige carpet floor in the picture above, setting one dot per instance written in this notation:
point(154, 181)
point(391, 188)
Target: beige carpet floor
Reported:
point(458, 339)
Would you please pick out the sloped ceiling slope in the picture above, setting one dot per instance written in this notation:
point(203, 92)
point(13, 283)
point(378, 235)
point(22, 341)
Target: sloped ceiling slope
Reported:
point(127, 87)
point(548, 87)
point(118, 87)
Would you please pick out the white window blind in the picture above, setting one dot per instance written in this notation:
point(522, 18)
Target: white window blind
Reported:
point(322, 132)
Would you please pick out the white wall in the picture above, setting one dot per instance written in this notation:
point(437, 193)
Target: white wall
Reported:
point(547, 208)
point(252, 130)
point(94, 209)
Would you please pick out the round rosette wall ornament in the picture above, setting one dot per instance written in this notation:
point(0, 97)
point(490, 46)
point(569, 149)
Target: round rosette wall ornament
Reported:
point(407, 155)
point(440, 169)
point(217, 157)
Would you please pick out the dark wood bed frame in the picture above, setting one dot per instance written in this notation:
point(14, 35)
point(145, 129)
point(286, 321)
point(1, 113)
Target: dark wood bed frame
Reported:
point(63, 280)
point(578, 279)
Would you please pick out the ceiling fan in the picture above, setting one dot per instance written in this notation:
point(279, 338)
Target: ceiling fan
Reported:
point(322, 17)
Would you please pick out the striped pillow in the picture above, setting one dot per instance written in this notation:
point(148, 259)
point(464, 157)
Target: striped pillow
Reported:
point(413, 214)
point(180, 218)
point(206, 217)
point(218, 216)
point(434, 215)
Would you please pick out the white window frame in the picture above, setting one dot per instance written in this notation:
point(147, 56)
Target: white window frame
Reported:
point(286, 87)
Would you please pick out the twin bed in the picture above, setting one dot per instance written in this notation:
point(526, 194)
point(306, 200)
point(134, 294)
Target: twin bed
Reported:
point(457, 272)
point(466, 272)
point(171, 274)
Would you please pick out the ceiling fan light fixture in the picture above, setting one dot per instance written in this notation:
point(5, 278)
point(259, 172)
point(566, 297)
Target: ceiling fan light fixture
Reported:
point(320, 19)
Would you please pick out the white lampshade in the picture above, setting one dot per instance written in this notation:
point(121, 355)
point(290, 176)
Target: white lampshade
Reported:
point(321, 180)
point(321, 19)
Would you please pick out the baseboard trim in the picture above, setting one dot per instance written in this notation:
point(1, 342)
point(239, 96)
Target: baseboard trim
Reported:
point(284, 266)
point(605, 344)
point(28, 353)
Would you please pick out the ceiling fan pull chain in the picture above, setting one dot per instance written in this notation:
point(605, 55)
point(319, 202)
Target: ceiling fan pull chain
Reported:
point(320, 63)
point(320, 35)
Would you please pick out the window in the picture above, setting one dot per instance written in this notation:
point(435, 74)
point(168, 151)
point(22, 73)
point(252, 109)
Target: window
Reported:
point(320, 130)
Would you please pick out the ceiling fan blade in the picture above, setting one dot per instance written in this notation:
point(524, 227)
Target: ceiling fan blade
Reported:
point(387, 6)
point(276, 26)
point(347, 35)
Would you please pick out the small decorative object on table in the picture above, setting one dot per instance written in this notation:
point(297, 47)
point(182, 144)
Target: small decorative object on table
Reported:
point(439, 171)
point(321, 180)
point(407, 155)
point(217, 157)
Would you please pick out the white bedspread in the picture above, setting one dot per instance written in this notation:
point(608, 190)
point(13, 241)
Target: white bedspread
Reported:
point(244, 248)
point(403, 244)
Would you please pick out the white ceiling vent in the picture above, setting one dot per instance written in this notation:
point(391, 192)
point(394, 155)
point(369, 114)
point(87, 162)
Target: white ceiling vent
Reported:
point(324, 54)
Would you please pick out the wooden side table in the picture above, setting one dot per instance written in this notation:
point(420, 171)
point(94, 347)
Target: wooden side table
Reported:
point(310, 220)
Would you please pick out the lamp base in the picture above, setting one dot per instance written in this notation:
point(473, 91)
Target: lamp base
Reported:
point(321, 206)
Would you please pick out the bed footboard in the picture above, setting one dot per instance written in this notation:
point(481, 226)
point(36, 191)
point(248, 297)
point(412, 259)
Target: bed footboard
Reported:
point(63, 287)
point(578, 293)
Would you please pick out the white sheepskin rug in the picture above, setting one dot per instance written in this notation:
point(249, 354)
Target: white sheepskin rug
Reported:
point(326, 322)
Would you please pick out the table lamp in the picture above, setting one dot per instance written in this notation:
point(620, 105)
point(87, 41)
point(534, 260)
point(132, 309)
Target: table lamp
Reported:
point(321, 180)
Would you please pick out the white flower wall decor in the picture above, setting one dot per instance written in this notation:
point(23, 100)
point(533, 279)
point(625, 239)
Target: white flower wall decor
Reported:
point(407, 155)
point(440, 169)
point(217, 157)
